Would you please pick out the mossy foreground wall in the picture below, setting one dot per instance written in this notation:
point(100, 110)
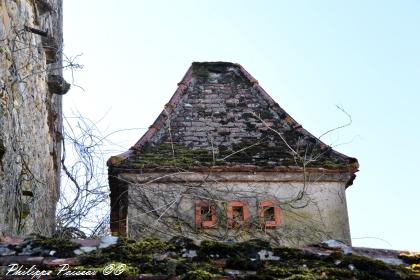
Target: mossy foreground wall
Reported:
point(182, 259)
point(30, 114)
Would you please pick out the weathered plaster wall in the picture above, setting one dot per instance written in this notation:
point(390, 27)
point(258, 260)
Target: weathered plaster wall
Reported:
point(30, 114)
point(320, 215)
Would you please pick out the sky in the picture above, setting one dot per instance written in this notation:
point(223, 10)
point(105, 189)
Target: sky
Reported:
point(310, 56)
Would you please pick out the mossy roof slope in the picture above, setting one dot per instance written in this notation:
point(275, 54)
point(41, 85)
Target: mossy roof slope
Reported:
point(220, 116)
point(182, 258)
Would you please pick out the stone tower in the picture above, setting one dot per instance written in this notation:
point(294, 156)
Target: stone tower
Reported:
point(224, 161)
point(31, 86)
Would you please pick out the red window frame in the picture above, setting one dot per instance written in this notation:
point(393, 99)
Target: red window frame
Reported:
point(232, 223)
point(212, 223)
point(277, 212)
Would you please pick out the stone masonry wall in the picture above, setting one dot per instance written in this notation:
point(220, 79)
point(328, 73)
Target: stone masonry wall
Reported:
point(30, 114)
point(320, 215)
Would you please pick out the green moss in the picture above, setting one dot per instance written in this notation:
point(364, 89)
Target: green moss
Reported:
point(291, 253)
point(164, 156)
point(275, 272)
point(323, 269)
point(198, 275)
point(62, 246)
point(25, 210)
point(410, 258)
point(209, 267)
point(187, 268)
point(333, 164)
point(340, 273)
point(266, 153)
point(204, 67)
point(129, 250)
point(415, 269)
point(243, 255)
point(200, 71)
point(129, 270)
point(147, 246)
point(243, 263)
point(155, 257)
point(180, 243)
point(297, 264)
point(121, 271)
point(414, 260)
point(375, 268)
point(210, 247)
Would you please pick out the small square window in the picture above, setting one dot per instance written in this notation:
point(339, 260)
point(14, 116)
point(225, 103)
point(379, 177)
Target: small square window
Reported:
point(237, 213)
point(269, 214)
point(205, 214)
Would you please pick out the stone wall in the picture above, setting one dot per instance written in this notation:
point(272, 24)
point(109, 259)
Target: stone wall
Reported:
point(319, 214)
point(30, 114)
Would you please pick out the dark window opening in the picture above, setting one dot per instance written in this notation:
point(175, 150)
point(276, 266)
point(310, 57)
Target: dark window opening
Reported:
point(238, 213)
point(269, 214)
point(206, 213)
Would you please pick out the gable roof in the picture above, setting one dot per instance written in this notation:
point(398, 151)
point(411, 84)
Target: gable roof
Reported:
point(220, 116)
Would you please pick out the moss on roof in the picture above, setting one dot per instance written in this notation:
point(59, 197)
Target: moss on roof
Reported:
point(260, 155)
point(185, 259)
point(221, 117)
point(214, 259)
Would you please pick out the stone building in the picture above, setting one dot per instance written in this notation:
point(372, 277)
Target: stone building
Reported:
point(31, 85)
point(224, 161)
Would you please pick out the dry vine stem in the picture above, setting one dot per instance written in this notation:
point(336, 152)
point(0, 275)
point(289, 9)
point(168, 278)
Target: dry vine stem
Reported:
point(83, 208)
